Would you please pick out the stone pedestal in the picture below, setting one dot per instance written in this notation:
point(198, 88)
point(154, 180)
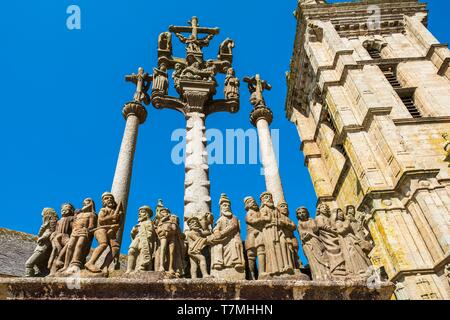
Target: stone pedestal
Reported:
point(186, 289)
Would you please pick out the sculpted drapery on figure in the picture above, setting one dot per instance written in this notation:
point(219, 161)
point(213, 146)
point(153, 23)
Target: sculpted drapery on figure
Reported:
point(171, 250)
point(60, 238)
point(356, 261)
point(254, 244)
point(160, 80)
point(313, 246)
point(109, 219)
point(330, 239)
point(290, 249)
point(227, 250)
point(143, 244)
point(80, 238)
point(231, 90)
point(36, 265)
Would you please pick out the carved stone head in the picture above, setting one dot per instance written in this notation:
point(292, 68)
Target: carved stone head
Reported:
point(194, 223)
point(283, 208)
point(88, 205)
point(145, 213)
point(324, 210)
point(67, 210)
point(225, 206)
point(267, 200)
point(250, 203)
point(339, 215)
point(302, 214)
point(49, 214)
point(108, 200)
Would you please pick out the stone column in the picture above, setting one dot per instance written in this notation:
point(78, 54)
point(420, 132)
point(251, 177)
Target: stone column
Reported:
point(134, 114)
point(261, 117)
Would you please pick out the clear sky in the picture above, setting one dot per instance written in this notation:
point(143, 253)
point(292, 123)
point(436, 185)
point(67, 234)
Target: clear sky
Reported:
point(62, 92)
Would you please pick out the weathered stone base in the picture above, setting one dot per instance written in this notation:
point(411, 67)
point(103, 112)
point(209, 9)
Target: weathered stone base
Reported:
point(187, 289)
point(229, 274)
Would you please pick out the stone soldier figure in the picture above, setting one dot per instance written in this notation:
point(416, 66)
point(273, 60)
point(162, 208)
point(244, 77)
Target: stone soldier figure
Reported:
point(312, 245)
point(61, 237)
point(143, 245)
point(108, 223)
point(290, 248)
point(80, 239)
point(254, 244)
point(170, 254)
point(356, 261)
point(227, 251)
point(41, 254)
point(330, 239)
point(196, 239)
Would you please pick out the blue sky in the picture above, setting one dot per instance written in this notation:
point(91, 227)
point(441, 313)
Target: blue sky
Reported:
point(62, 91)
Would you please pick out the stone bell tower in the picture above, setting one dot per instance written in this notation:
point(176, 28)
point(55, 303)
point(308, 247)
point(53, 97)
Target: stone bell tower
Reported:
point(369, 92)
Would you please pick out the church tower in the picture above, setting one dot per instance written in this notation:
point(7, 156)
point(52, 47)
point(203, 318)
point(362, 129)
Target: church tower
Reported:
point(369, 92)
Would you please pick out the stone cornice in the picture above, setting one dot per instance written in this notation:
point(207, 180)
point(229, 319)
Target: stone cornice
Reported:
point(423, 271)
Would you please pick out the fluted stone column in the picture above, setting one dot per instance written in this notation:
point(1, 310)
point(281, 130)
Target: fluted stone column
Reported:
point(134, 114)
point(261, 117)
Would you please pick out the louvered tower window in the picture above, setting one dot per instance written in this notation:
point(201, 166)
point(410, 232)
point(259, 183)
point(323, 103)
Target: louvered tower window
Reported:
point(374, 53)
point(405, 94)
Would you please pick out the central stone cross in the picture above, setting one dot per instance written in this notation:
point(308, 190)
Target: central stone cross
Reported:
point(194, 80)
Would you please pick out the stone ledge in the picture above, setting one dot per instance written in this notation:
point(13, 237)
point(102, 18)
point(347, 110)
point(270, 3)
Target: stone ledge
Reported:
point(187, 289)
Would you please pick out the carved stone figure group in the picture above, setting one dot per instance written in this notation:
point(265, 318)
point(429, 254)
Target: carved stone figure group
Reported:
point(336, 244)
point(64, 244)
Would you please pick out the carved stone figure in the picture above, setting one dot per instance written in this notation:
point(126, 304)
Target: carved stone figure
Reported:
point(165, 44)
point(275, 241)
point(36, 265)
point(196, 238)
point(226, 50)
point(356, 261)
point(288, 227)
point(109, 219)
point(254, 244)
point(231, 90)
point(356, 222)
point(60, 238)
point(170, 253)
point(81, 237)
point(312, 245)
point(227, 252)
point(160, 80)
point(330, 239)
point(142, 80)
point(193, 42)
point(143, 244)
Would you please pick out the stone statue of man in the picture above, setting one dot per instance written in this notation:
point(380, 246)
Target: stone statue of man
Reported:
point(274, 238)
point(196, 238)
point(227, 252)
point(289, 241)
point(170, 254)
point(143, 244)
point(108, 223)
point(330, 239)
point(80, 239)
point(313, 247)
point(41, 254)
point(231, 89)
point(254, 244)
point(61, 237)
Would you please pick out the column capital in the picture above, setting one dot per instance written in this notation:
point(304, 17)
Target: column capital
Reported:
point(134, 108)
point(261, 112)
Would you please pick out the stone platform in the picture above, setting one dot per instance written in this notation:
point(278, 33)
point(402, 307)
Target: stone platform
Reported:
point(186, 289)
